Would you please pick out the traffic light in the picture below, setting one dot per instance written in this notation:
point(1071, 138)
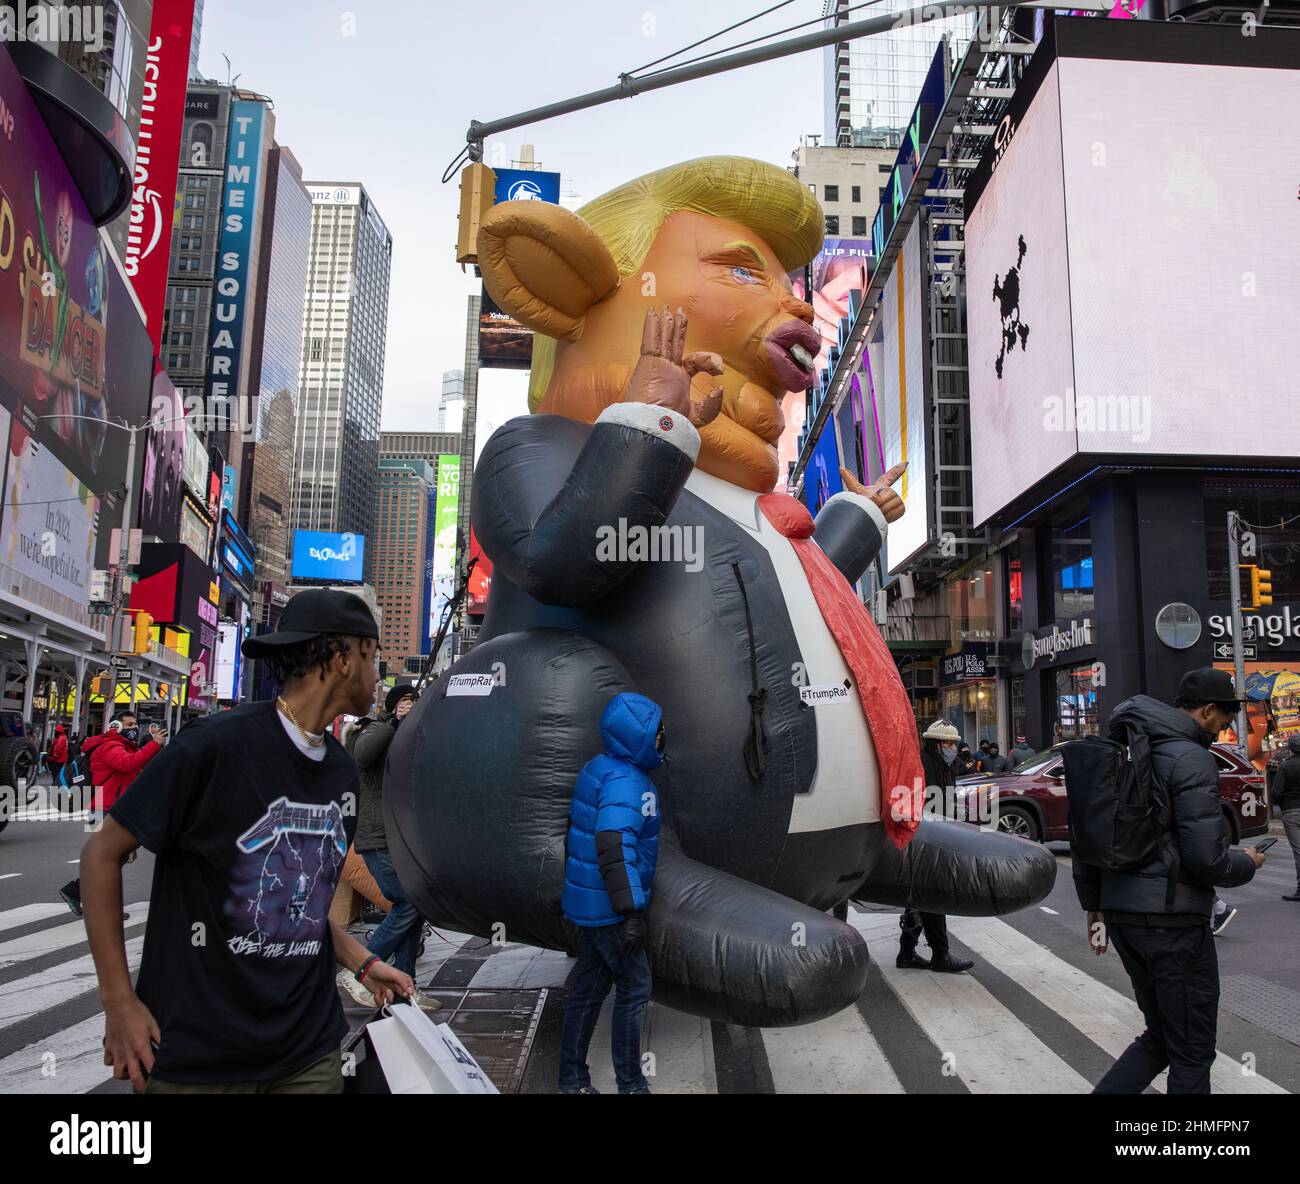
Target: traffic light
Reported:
point(1261, 587)
point(477, 193)
point(140, 633)
point(100, 685)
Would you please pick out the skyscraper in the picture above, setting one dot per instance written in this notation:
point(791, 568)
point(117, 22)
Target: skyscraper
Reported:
point(345, 319)
point(872, 83)
point(399, 550)
point(266, 477)
point(451, 406)
point(425, 446)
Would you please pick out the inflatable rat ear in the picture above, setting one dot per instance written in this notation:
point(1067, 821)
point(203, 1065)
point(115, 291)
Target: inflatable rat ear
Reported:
point(544, 266)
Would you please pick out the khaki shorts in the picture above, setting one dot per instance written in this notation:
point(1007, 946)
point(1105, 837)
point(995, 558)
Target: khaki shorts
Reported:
point(320, 1077)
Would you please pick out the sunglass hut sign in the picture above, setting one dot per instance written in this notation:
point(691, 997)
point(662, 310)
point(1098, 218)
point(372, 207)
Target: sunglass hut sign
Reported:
point(1279, 630)
point(1057, 643)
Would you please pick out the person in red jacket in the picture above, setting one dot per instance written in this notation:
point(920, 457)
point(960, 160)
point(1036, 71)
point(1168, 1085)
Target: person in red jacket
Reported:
point(58, 755)
point(115, 761)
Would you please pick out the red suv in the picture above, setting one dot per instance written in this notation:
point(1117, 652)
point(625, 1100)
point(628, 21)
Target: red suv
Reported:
point(1030, 801)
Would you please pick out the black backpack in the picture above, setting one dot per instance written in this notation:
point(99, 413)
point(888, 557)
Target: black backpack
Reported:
point(75, 772)
point(1120, 816)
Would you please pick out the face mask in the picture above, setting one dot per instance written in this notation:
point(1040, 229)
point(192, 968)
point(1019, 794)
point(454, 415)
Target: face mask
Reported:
point(949, 755)
point(131, 734)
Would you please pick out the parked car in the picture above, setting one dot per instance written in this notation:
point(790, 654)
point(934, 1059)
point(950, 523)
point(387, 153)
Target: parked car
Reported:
point(1030, 801)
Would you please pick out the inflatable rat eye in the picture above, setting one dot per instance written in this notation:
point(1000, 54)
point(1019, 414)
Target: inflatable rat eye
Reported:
point(742, 275)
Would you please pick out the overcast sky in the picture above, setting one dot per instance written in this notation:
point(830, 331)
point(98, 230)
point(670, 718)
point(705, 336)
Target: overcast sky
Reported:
point(383, 94)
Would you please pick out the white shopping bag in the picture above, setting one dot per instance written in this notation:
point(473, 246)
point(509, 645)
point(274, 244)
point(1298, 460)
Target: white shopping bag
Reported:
point(421, 1057)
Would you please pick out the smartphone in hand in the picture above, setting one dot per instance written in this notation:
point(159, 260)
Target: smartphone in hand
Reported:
point(1266, 844)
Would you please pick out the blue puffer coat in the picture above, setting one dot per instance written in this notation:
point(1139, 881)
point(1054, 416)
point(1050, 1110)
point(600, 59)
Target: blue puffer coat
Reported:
point(614, 822)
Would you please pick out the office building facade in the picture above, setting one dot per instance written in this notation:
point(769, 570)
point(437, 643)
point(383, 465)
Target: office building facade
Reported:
point(399, 551)
point(871, 84)
point(345, 321)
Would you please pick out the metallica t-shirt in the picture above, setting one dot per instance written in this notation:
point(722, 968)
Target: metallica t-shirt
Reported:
point(250, 834)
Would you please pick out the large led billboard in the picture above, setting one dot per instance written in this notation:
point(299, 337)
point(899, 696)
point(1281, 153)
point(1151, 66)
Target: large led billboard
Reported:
point(74, 352)
point(896, 362)
point(47, 528)
point(329, 557)
point(821, 475)
point(1133, 279)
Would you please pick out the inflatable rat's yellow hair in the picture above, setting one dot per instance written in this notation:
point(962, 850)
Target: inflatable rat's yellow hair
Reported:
point(767, 199)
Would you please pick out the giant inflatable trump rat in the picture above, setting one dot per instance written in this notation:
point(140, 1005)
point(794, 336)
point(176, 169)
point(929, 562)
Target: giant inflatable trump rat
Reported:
point(638, 546)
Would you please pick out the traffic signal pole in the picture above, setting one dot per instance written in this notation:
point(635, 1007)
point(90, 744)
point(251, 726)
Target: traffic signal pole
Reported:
point(1238, 655)
point(630, 85)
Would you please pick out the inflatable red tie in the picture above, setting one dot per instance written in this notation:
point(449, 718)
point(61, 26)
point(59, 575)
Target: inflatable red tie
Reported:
point(884, 701)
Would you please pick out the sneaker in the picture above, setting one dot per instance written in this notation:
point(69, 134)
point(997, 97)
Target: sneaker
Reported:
point(1294, 896)
point(586, 1089)
point(73, 902)
point(423, 1001)
point(1220, 923)
point(348, 981)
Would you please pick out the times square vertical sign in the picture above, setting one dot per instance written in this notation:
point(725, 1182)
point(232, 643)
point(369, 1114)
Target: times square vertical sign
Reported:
point(234, 263)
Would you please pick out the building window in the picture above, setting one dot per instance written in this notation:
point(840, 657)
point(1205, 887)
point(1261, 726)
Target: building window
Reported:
point(856, 191)
point(1077, 712)
point(859, 226)
point(832, 192)
point(1072, 564)
point(832, 224)
point(884, 168)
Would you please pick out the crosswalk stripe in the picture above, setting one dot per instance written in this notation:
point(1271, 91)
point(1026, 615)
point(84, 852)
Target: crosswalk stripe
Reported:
point(10, 875)
point(681, 1046)
point(77, 1066)
point(991, 1050)
point(46, 941)
point(1109, 1019)
point(837, 1055)
point(524, 966)
point(26, 997)
point(27, 913)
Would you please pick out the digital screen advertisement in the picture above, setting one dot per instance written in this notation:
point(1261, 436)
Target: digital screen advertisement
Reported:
point(821, 476)
point(1181, 265)
point(47, 528)
point(73, 349)
point(164, 458)
point(329, 556)
point(896, 356)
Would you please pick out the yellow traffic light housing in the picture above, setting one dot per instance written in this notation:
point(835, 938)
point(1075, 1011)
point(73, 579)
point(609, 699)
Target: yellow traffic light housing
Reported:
point(140, 633)
point(99, 685)
point(1248, 584)
point(1261, 587)
point(477, 193)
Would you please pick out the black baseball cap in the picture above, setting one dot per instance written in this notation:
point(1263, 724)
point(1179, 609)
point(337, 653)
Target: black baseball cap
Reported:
point(312, 613)
point(1208, 685)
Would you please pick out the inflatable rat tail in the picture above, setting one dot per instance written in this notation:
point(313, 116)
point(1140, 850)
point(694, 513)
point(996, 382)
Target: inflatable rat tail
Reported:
point(728, 950)
point(953, 867)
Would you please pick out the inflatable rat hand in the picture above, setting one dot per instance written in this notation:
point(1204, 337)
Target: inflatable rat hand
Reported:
point(663, 374)
point(880, 491)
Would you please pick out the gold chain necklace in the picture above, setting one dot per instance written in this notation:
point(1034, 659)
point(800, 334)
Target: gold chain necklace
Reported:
point(313, 740)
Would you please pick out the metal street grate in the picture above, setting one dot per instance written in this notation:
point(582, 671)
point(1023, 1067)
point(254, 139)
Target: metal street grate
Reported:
point(1270, 1005)
point(497, 1026)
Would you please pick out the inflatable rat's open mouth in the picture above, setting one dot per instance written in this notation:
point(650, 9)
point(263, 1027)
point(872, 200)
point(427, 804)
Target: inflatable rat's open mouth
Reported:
point(791, 350)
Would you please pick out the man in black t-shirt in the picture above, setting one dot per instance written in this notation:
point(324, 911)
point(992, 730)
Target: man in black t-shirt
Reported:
point(249, 814)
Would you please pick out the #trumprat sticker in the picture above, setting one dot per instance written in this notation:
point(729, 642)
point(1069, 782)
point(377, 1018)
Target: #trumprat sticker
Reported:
point(823, 696)
point(470, 684)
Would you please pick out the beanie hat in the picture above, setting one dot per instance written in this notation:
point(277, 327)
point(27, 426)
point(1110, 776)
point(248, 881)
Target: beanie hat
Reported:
point(942, 731)
point(396, 695)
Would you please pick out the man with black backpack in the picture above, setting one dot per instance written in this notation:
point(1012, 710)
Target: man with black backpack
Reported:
point(1149, 847)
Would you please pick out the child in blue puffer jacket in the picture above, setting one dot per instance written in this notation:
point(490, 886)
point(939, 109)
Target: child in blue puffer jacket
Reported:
point(612, 847)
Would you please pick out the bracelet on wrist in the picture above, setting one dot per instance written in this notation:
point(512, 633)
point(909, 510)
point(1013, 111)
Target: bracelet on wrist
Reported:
point(366, 965)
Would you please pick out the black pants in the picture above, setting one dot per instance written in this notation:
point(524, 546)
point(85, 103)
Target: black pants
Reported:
point(935, 927)
point(1175, 976)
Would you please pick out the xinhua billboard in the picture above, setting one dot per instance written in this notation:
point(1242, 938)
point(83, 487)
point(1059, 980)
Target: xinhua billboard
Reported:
point(328, 556)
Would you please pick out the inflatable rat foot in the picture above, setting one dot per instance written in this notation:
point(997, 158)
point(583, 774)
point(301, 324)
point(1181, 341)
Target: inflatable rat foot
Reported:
point(728, 950)
point(953, 867)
